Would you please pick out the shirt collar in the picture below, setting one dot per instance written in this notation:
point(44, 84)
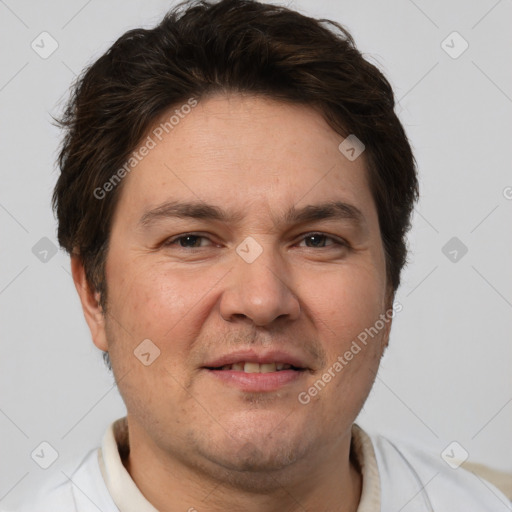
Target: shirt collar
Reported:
point(128, 497)
point(124, 492)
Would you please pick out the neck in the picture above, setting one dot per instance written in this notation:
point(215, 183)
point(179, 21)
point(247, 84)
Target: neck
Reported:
point(329, 481)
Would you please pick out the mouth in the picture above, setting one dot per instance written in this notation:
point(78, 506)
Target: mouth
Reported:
point(252, 372)
point(254, 367)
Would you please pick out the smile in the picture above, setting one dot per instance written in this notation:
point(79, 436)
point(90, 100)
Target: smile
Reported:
point(251, 367)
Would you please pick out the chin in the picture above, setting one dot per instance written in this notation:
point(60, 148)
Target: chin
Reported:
point(263, 449)
point(255, 449)
point(257, 468)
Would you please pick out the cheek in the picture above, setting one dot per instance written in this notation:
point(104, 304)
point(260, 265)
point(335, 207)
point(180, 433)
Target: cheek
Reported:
point(152, 300)
point(165, 305)
point(346, 300)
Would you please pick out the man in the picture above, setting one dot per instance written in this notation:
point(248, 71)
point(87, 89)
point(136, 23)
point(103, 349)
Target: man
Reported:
point(235, 192)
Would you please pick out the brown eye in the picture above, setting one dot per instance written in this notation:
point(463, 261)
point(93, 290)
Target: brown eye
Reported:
point(186, 241)
point(318, 240)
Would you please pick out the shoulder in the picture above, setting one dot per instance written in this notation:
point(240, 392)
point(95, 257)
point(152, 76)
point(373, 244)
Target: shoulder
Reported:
point(414, 479)
point(80, 488)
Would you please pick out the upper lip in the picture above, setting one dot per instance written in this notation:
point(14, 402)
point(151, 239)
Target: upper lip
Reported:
point(261, 357)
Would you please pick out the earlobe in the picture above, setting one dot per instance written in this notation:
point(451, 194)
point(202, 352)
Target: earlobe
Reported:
point(90, 300)
point(390, 296)
point(385, 343)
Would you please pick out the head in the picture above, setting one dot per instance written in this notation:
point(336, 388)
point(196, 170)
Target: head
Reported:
point(225, 121)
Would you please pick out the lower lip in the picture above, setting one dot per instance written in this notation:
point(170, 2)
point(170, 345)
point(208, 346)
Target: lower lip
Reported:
point(258, 381)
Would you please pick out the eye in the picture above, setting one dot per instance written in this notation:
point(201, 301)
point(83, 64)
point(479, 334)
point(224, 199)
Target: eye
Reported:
point(186, 241)
point(195, 241)
point(319, 239)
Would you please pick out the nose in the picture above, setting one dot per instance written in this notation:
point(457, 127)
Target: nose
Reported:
point(259, 291)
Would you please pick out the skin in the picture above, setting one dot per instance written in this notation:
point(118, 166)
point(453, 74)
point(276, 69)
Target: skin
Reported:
point(196, 441)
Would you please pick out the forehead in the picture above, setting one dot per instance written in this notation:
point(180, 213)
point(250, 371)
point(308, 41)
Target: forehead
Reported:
point(247, 152)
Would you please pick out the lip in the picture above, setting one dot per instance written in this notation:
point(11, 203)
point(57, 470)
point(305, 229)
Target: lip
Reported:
point(257, 382)
point(261, 357)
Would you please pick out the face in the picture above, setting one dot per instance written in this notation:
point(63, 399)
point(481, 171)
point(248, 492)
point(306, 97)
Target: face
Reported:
point(224, 256)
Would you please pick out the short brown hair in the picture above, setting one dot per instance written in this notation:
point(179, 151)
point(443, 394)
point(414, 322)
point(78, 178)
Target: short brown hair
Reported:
point(202, 48)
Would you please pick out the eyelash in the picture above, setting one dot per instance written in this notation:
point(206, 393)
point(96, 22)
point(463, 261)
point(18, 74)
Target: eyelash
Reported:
point(337, 241)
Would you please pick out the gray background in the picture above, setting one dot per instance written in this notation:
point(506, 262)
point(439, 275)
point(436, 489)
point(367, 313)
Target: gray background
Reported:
point(447, 374)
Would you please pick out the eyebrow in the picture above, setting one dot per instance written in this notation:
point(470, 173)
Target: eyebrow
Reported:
point(335, 210)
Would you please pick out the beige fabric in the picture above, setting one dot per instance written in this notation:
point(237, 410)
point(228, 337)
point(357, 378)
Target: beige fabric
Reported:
point(122, 488)
point(362, 451)
point(501, 480)
point(128, 498)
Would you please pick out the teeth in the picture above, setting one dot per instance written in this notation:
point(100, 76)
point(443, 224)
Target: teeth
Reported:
point(267, 367)
point(251, 368)
point(248, 367)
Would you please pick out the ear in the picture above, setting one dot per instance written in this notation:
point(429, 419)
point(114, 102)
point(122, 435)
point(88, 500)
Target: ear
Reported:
point(385, 334)
point(390, 296)
point(90, 303)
